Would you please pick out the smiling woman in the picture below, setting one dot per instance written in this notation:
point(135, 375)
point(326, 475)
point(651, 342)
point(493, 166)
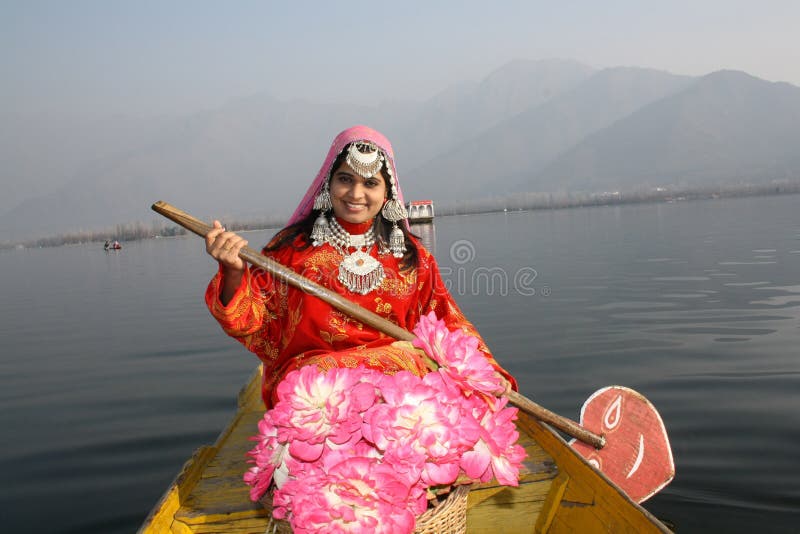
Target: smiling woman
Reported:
point(350, 235)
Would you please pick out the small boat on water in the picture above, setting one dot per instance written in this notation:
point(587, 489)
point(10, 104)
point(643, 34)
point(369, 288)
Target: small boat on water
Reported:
point(558, 492)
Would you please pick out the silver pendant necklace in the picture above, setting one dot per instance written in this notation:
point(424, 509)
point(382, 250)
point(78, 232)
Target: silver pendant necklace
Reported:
point(358, 271)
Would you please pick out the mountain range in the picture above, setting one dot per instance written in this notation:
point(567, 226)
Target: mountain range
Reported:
point(530, 126)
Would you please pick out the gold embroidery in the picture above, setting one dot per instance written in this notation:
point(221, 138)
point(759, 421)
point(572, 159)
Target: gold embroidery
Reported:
point(382, 307)
point(339, 321)
point(322, 263)
point(261, 346)
point(402, 286)
point(410, 277)
point(294, 316)
point(389, 359)
point(331, 338)
point(349, 361)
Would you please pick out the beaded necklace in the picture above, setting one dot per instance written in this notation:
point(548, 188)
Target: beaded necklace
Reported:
point(358, 271)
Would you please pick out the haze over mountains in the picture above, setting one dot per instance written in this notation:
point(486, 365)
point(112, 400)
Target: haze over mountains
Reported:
point(542, 126)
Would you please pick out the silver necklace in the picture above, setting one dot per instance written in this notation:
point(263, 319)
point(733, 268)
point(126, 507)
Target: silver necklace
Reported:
point(358, 271)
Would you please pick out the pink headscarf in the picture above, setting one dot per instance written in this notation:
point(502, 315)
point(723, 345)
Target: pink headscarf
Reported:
point(350, 135)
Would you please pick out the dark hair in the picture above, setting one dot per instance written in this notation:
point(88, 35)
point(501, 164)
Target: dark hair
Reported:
point(288, 235)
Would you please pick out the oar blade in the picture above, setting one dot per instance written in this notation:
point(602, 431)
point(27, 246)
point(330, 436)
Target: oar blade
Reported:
point(637, 455)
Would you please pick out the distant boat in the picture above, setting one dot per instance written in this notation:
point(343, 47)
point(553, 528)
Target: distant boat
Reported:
point(112, 246)
point(420, 211)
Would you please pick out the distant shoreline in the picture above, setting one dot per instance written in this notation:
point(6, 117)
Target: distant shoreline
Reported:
point(526, 201)
point(512, 203)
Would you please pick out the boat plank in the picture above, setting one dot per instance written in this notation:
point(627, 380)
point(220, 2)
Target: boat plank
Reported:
point(220, 491)
point(162, 516)
point(492, 507)
point(509, 510)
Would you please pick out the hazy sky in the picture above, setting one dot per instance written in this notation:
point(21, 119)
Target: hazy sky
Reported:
point(153, 57)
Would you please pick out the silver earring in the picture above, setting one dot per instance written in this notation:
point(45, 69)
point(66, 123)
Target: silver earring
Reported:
point(321, 231)
point(322, 201)
point(397, 241)
point(393, 210)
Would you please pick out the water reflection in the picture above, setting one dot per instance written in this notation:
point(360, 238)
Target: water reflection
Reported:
point(427, 234)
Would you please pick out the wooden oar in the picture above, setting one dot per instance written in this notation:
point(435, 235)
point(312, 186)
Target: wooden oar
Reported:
point(374, 320)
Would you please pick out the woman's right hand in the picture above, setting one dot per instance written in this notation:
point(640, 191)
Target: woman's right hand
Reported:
point(224, 247)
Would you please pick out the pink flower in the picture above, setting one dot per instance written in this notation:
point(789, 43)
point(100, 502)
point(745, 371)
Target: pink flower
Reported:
point(431, 337)
point(268, 455)
point(357, 494)
point(418, 429)
point(462, 364)
point(496, 454)
point(314, 407)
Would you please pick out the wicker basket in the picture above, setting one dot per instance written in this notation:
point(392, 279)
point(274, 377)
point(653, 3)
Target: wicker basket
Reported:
point(448, 517)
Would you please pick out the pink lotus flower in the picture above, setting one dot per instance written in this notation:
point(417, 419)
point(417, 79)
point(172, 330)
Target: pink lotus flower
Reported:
point(360, 495)
point(496, 454)
point(268, 455)
point(462, 364)
point(314, 407)
point(417, 427)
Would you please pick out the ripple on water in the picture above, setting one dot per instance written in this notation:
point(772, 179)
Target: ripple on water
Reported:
point(631, 305)
point(590, 288)
point(698, 316)
point(746, 262)
point(791, 289)
point(716, 331)
point(783, 301)
point(680, 278)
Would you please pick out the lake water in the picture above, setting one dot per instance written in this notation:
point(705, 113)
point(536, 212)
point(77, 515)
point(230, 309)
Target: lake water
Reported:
point(113, 372)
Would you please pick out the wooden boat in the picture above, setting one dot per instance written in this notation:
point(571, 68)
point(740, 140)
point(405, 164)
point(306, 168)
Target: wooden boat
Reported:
point(558, 492)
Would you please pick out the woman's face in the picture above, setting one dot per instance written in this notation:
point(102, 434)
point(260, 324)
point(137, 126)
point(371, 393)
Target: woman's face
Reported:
point(356, 199)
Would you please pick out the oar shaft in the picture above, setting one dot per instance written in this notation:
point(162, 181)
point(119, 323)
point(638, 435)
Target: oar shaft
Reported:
point(568, 426)
point(365, 316)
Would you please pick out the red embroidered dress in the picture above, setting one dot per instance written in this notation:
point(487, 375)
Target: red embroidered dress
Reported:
point(287, 328)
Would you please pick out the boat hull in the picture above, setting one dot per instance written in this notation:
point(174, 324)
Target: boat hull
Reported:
point(558, 492)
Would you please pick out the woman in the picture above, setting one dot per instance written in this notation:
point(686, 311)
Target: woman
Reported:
point(350, 235)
